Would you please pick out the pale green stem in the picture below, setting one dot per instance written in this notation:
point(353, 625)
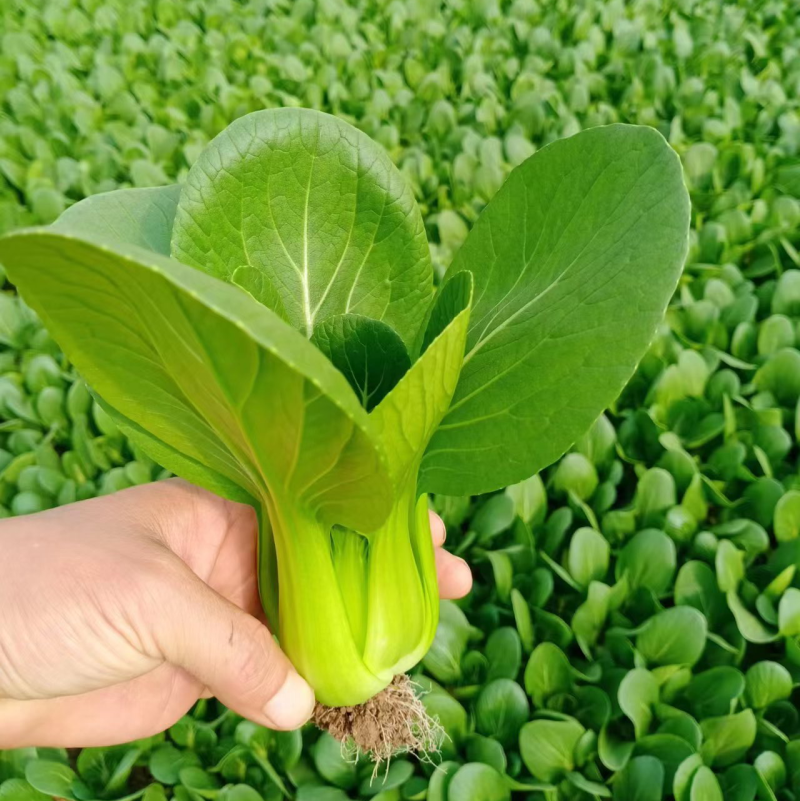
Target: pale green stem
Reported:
point(354, 610)
point(314, 625)
point(403, 599)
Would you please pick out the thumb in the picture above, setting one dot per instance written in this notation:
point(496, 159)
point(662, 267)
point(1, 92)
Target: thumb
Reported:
point(232, 653)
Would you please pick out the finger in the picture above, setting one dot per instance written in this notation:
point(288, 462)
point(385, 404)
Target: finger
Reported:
point(455, 577)
point(123, 712)
point(231, 653)
point(438, 530)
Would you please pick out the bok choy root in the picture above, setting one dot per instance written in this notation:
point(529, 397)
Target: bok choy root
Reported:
point(269, 330)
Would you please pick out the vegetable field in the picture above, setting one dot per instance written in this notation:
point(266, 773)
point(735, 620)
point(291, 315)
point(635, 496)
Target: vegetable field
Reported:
point(634, 628)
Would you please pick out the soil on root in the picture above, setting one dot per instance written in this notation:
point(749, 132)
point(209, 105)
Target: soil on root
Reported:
point(393, 722)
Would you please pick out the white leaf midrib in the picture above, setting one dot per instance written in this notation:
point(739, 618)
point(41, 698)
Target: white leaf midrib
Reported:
point(304, 279)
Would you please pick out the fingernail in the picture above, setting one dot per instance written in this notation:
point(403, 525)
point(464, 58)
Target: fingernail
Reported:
point(292, 705)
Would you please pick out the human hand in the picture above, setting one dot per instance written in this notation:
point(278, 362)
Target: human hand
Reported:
point(118, 613)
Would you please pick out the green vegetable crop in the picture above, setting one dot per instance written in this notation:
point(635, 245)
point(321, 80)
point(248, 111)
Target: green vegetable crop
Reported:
point(194, 313)
point(690, 476)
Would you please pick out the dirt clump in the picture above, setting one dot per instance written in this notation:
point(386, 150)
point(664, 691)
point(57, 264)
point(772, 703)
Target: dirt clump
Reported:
point(393, 722)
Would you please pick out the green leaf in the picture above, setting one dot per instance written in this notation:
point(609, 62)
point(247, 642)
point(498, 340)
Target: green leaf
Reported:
point(288, 748)
point(592, 788)
point(786, 521)
point(493, 517)
point(530, 500)
point(771, 772)
point(477, 782)
point(605, 218)
point(780, 375)
point(366, 352)
point(588, 556)
point(443, 659)
point(331, 763)
point(715, 691)
point(317, 206)
point(637, 695)
point(740, 783)
point(398, 773)
point(140, 217)
point(166, 762)
point(229, 385)
point(750, 627)
point(767, 682)
point(451, 298)
point(94, 765)
point(547, 673)
point(705, 786)
point(671, 751)
point(696, 586)
point(649, 560)
point(502, 572)
point(729, 562)
point(789, 613)
point(189, 732)
point(173, 460)
point(575, 477)
point(594, 707)
point(682, 783)
point(440, 780)
point(244, 792)
point(522, 619)
point(590, 617)
point(20, 790)
point(551, 627)
point(486, 750)
point(258, 285)
point(694, 499)
point(504, 652)
point(778, 586)
point(451, 715)
point(547, 747)
point(194, 317)
point(655, 492)
point(761, 498)
point(200, 782)
point(122, 771)
point(407, 417)
point(675, 636)
point(642, 779)
point(672, 679)
point(500, 710)
point(598, 444)
point(50, 778)
point(728, 738)
point(613, 750)
point(107, 770)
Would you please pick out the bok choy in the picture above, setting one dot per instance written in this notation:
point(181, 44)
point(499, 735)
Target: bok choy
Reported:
point(269, 330)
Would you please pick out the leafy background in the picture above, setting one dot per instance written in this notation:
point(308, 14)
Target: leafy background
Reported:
point(633, 631)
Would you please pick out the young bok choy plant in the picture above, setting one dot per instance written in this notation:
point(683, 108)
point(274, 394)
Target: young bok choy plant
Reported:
point(269, 330)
